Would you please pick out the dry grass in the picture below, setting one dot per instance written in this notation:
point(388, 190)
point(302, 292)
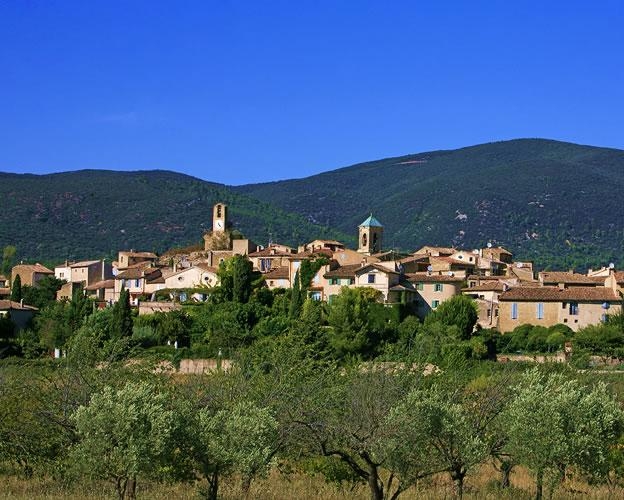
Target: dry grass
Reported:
point(481, 485)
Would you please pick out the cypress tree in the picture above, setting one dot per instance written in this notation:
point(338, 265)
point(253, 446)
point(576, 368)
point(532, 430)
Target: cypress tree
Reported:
point(16, 289)
point(123, 315)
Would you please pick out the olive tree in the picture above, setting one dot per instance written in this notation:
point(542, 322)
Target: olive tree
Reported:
point(123, 434)
point(554, 423)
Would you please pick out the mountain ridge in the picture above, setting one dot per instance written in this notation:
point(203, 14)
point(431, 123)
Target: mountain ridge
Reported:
point(554, 202)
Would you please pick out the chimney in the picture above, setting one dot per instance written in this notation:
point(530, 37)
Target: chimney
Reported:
point(21, 302)
point(103, 270)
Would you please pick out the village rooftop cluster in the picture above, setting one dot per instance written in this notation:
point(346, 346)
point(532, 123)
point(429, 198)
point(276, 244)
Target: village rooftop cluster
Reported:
point(507, 292)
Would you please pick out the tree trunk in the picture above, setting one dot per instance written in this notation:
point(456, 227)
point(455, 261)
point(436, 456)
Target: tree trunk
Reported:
point(506, 467)
point(213, 486)
point(131, 489)
point(458, 478)
point(539, 483)
point(120, 486)
point(376, 488)
point(246, 485)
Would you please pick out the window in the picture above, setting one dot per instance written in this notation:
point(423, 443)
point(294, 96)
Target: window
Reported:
point(437, 287)
point(351, 281)
point(420, 287)
point(136, 283)
point(540, 310)
point(371, 278)
point(334, 281)
point(514, 310)
point(574, 308)
point(315, 295)
point(489, 313)
point(434, 304)
point(364, 240)
point(496, 313)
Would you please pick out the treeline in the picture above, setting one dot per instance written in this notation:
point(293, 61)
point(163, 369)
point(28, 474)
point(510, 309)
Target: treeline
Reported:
point(389, 426)
point(352, 390)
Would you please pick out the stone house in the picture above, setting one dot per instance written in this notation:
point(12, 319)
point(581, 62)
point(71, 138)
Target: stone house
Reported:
point(30, 274)
point(433, 289)
point(575, 306)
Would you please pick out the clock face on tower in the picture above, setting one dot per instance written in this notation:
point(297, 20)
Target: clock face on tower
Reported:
point(218, 224)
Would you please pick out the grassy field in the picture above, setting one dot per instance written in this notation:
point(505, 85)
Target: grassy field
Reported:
point(481, 485)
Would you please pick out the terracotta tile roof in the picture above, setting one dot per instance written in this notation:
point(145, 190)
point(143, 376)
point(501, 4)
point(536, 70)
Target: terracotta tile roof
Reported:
point(146, 255)
point(325, 252)
point(136, 272)
point(85, 263)
point(619, 277)
point(553, 293)
point(433, 278)
point(36, 268)
point(6, 305)
point(420, 257)
point(5, 291)
point(451, 260)
point(101, 284)
point(487, 286)
point(572, 278)
point(474, 277)
point(379, 267)
point(277, 273)
point(205, 267)
point(270, 252)
point(343, 271)
point(446, 250)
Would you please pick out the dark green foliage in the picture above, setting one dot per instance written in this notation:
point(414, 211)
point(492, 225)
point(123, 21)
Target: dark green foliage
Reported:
point(359, 323)
point(529, 195)
point(7, 336)
point(530, 338)
point(459, 311)
point(43, 293)
point(606, 339)
point(237, 280)
point(295, 297)
point(101, 212)
point(8, 254)
point(16, 289)
point(122, 315)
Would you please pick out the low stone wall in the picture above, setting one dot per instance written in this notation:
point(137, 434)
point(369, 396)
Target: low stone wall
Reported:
point(559, 357)
point(199, 366)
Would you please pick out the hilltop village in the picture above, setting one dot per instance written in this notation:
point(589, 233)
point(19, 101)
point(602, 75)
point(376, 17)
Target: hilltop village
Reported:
point(508, 293)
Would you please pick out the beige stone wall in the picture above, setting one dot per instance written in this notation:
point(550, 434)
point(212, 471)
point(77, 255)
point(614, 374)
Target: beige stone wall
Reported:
point(589, 313)
point(383, 281)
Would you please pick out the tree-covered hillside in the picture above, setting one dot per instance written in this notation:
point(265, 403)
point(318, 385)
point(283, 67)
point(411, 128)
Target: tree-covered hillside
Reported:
point(556, 203)
point(90, 213)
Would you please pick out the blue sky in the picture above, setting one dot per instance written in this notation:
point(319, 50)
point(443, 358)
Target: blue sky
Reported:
point(239, 92)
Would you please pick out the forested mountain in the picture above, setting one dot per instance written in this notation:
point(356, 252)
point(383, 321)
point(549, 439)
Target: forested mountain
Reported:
point(559, 204)
point(94, 213)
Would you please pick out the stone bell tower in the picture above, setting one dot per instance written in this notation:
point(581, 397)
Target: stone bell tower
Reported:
point(370, 236)
point(219, 218)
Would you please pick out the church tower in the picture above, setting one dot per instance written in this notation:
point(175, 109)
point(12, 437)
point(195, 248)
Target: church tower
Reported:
point(370, 236)
point(219, 218)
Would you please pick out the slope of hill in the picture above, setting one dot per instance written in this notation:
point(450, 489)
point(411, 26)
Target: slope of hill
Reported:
point(557, 203)
point(94, 213)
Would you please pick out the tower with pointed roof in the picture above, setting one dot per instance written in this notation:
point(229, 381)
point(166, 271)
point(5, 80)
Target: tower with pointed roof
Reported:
point(370, 236)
